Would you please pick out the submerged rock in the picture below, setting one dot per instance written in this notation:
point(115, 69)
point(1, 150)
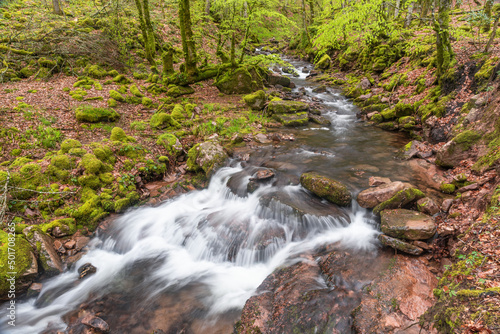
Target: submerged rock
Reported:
point(407, 224)
point(400, 245)
point(96, 323)
point(327, 188)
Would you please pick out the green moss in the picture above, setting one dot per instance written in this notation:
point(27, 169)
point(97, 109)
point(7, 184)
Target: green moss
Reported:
point(134, 90)
point(47, 63)
point(95, 71)
point(327, 188)
point(104, 153)
point(163, 121)
point(400, 200)
point(388, 114)
point(16, 152)
point(112, 102)
point(106, 178)
point(117, 134)
point(116, 96)
point(482, 77)
point(20, 161)
point(61, 161)
point(91, 164)
point(447, 188)
point(87, 113)
point(147, 102)
point(377, 118)
point(191, 159)
point(77, 152)
point(178, 113)
point(466, 139)
point(170, 143)
point(121, 79)
point(90, 212)
point(78, 94)
point(324, 62)
point(67, 226)
point(22, 263)
point(256, 100)
point(403, 109)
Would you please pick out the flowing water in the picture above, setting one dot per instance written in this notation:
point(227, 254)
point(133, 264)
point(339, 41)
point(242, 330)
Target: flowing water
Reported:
point(194, 261)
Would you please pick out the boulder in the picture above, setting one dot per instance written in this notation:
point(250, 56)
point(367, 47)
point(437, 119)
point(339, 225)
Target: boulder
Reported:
point(298, 119)
point(243, 80)
point(261, 138)
point(287, 107)
point(407, 224)
point(327, 188)
point(427, 173)
point(49, 259)
point(399, 245)
point(324, 62)
point(400, 200)
point(176, 91)
point(207, 156)
point(428, 206)
point(450, 155)
point(319, 89)
point(375, 181)
point(275, 79)
point(319, 119)
point(86, 270)
point(256, 101)
point(410, 150)
point(371, 197)
point(365, 84)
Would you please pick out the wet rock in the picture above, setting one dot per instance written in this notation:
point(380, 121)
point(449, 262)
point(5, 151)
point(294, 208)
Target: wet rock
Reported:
point(366, 168)
point(371, 197)
point(207, 156)
point(261, 138)
point(263, 174)
point(275, 79)
point(411, 150)
point(407, 224)
point(81, 242)
point(324, 187)
point(287, 107)
point(305, 70)
point(50, 260)
point(319, 120)
point(400, 245)
point(96, 323)
point(86, 270)
point(292, 85)
point(470, 187)
point(319, 89)
point(34, 290)
point(428, 206)
point(375, 181)
point(402, 199)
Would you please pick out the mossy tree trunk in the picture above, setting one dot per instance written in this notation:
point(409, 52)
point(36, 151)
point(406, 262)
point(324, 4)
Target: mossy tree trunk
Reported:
point(488, 5)
point(168, 61)
point(146, 29)
point(188, 44)
point(493, 33)
point(305, 33)
point(57, 7)
point(409, 16)
point(443, 44)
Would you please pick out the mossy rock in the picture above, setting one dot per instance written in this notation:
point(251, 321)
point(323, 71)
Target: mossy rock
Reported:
point(121, 79)
point(69, 144)
point(388, 126)
point(171, 143)
point(178, 113)
point(286, 107)
point(324, 62)
point(377, 118)
point(26, 72)
point(117, 134)
point(91, 164)
point(256, 101)
point(61, 161)
point(243, 80)
point(163, 121)
point(482, 77)
point(176, 91)
point(89, 114)
point(402, 199)
point(207, 156)
point(95, 71)
point(324, 187)
point(47, 63)
point(298, 119)
point(400, 245)
point(447, 188)
point(116, 96)
point(407, 122)
point(112, 103)
point(147, 102)
point(403, 109)
point(22, 268)
point(60, 227)
point(388, 114)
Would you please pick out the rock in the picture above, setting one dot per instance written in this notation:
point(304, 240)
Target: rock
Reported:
point(421, 244)
point(59, 247)
point(86, 270)
point(70, 244)
point(451, 154)
point(428, 206)
point(96, 323)
point(473, 115)
point(375, 181)
point(400, 200)
point(207, 156)
point(34, 290)
point(298, 119)
point(319, 119)
point(400, 245)
point(319, 89)
point(473, 186)
point(365, 97)
point(287, 107)
point(411, 150)
point(243, 80)
point(261, 138)
point(176, 91)
point(50, 260)
point(427, 173)
point(305, 70)
point(292, 85)
point(407, 224)
point(327, 188)
point(275, 79)
point(371, 197)
point(263, 174)
point(365, 84)
point(446, 205)
point(81, 242)
point(323, 63)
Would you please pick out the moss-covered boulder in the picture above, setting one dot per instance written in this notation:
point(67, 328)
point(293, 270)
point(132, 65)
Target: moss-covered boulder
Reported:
point(207, 156)
point(171, 143)
point(18, 264)
point(276, 79)
point(89, 114)
point(407, 224)
point(457, 149)
point(176, 91)
point(60, 227)
point(286, 107)
point(49, 259)
point(163, 121)
point(91, 164)
point(399, 245)
point(402, 199)
point(485, 73)
point(298, 119)
point(325, 187)
point(69, 144)
point(95, 71)
point(324, 62)
point(178, 113)
point(243, 80)
point(256, 101)
point(118, 134)
point(371, 197)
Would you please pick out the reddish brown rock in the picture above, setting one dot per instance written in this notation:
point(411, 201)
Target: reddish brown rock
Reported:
point(371, 197)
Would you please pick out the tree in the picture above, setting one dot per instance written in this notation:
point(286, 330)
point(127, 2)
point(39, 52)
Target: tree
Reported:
point(147, 30)
point(488, 5)
point(57, 7)
point(188, 43)
point(443, 44)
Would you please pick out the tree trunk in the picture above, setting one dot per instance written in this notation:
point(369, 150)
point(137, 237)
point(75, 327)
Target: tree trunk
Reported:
point(305, 33)
point(188, 44)
point(207, 8)
point(408, 15)
point(443, 44)
point(396, 10)
point(311, 8)
point(487, 12)
point(57, 7)
point(492, 34)
point(147, 30)
point(168, 61)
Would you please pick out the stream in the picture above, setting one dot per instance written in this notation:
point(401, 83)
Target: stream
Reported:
point(194, 261)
